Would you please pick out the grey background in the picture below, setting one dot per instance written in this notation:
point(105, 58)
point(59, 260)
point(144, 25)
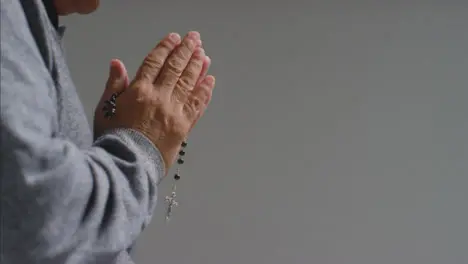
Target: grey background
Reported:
point(337, 133)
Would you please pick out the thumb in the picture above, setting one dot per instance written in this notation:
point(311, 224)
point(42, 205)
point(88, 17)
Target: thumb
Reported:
point(118, 77)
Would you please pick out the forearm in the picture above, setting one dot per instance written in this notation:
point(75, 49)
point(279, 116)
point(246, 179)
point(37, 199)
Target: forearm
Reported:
point(58, 199)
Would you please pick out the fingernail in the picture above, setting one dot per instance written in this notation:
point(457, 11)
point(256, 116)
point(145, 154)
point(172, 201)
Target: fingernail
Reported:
point(198, 42)
point(194, 35)
point(174, 37)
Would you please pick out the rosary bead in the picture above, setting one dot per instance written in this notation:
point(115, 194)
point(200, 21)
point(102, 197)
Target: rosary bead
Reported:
point(110, 107)
point(171, 199)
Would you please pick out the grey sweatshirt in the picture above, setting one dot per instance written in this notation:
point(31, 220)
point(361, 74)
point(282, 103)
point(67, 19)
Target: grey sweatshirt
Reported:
point(65, 198)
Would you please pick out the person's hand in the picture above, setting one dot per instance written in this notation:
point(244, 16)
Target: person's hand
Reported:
point(167, 97)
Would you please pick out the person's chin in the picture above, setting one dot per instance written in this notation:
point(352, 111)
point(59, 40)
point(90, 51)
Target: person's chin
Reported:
point(89, 8)
point(85, 12)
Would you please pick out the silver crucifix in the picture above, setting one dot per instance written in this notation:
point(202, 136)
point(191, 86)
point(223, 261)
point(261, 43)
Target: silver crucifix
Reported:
point(171, 203)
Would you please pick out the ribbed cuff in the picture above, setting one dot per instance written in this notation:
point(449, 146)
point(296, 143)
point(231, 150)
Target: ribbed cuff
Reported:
point(143, 147)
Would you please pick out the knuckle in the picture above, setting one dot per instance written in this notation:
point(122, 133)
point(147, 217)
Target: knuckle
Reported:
point(194, 107)
point(141, 92)
point(153, 61)
point(183, 55)
point(185, 84)
point(165, 44)
point(185, 50)
point(189, 76)
point(203, 90)
point(180, 94)
point(167, 79)
point(190, 109)
point(196, 103)
point(189, 44)
point(196, 64)
point(161, 51)
point(204, 95)
point(175, 65)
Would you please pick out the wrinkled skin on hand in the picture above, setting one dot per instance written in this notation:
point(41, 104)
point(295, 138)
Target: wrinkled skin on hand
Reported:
point(169, 94)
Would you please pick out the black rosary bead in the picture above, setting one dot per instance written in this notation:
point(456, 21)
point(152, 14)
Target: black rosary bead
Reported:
point(110, 107)
point(171, 200)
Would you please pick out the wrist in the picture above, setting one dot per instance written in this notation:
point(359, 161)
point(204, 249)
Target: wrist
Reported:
point(148, 153)
point(169, 147)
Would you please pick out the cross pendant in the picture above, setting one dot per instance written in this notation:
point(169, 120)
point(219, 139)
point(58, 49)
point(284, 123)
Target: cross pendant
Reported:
point(171, 203)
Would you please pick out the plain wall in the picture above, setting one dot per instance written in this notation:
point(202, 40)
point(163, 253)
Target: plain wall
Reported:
point(337, 133)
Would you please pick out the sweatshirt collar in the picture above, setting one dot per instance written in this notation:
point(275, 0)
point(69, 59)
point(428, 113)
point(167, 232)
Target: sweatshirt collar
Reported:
point(53, 16)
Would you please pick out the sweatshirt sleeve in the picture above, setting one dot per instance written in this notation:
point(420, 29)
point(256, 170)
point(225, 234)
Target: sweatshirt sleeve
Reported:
point(58, 199)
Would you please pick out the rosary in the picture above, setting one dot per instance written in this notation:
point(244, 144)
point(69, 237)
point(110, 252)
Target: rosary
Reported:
point(109, 109)
point(171, 200)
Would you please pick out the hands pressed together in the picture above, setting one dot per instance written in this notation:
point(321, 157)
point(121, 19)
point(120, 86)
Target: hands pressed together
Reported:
point(168, 96)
